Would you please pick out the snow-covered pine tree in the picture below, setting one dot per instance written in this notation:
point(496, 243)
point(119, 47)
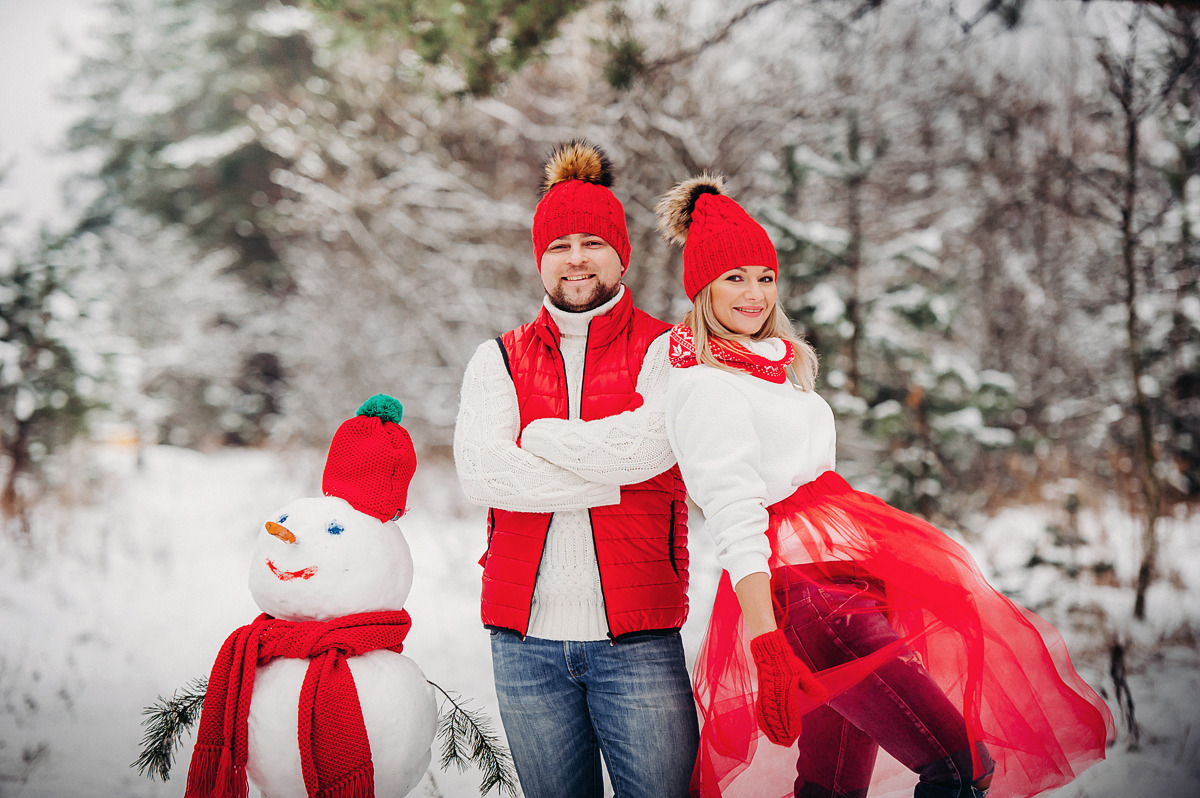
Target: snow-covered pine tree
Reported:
point(1136, 196)
point(861, 225)
point(164, 98)
point(48, 376)
point(485, 43)
point(1175, 351)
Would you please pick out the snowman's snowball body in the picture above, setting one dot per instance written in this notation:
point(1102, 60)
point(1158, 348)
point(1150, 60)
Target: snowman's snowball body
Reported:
point(399, 712)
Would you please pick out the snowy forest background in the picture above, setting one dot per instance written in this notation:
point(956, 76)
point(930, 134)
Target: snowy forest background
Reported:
point(988, 220)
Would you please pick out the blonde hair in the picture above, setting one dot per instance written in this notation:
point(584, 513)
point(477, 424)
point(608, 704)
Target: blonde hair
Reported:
point(704, 325)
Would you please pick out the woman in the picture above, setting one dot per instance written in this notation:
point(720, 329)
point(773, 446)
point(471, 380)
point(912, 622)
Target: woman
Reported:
point(868, 628)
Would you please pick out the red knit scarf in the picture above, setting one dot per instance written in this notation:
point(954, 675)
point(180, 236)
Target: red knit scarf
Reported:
point(731, 353)
point(335, 755)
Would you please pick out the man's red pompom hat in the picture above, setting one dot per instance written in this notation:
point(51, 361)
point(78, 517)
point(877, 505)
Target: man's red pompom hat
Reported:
point(371, 460)
point(716, 233)
point(577, 199)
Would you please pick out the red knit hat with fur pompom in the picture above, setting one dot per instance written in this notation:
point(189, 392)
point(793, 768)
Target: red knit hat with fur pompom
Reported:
point(576, 199)
point(371, 460)
point(716, 233)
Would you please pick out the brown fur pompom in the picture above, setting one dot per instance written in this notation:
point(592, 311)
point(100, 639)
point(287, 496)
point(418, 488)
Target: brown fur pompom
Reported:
point(578, 160)
point(675, 208)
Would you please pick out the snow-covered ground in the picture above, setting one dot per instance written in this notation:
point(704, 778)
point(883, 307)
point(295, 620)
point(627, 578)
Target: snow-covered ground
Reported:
point(135, 577)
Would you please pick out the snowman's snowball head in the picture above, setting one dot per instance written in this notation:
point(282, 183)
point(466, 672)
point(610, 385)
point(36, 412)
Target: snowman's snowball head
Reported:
point(318, 558)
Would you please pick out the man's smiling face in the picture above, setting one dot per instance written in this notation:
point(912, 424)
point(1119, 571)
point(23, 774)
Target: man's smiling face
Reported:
point(580, 271)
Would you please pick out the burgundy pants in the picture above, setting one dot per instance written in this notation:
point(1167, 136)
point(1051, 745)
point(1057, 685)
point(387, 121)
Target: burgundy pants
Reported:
point(898, 706)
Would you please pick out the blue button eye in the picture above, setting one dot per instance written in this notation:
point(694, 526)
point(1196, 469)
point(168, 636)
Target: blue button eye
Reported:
point(335, 528)
point(281, 519)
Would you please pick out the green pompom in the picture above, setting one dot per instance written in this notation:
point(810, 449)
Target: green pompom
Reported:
point(383, 407)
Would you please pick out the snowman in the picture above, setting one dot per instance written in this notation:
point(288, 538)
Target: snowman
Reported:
point(315, 696)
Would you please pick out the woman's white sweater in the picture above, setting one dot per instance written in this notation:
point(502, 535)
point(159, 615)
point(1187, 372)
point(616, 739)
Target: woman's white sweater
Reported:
point(744, 443)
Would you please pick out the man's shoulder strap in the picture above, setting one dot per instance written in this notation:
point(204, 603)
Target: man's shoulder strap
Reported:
point(504, 353)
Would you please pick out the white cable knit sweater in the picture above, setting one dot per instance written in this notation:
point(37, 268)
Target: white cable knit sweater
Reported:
point(743, 444)
point(562, 466)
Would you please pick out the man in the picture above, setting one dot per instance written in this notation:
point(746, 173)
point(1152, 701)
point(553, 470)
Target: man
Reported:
point(561, 432)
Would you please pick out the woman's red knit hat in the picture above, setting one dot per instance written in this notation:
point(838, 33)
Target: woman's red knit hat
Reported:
point(576, 199)
point(716, 233)
point(371, 460)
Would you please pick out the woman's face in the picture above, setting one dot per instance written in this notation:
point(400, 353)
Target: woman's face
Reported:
point(743, 298)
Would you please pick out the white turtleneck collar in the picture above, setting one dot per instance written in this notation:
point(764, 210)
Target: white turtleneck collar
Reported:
point(773, 348)
point(572, 324)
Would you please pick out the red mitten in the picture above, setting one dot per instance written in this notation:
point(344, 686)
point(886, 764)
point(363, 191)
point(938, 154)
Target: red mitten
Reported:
point(781, 678)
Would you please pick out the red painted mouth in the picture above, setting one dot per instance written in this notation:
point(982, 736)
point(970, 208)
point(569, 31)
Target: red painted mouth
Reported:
point(287, 576)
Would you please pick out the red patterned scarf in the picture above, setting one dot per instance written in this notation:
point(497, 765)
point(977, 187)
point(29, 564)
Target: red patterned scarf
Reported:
point(731, 353)
point(335, 755)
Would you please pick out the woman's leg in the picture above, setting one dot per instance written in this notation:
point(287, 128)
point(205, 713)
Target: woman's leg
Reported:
point(898, 705)
point(836, 759)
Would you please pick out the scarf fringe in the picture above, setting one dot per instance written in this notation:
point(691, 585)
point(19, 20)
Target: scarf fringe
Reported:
point(359, 783)
point(212, 774)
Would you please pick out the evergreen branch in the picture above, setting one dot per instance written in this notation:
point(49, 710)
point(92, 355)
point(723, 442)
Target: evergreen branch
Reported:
point(166, 721)
point(467, 738)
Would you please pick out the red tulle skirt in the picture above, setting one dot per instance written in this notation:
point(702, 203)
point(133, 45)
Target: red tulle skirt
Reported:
point(1003, 667)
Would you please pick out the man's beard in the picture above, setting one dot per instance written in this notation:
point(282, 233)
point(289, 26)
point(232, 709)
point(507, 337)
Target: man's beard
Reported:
point(603, 293)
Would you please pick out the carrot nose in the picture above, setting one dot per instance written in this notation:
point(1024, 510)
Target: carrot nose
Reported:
point(280, 531)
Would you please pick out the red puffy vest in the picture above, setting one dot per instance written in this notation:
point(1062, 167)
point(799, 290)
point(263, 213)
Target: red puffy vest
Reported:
point(641, 543)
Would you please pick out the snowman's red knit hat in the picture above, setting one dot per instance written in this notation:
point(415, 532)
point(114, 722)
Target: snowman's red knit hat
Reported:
point(371, 460)
point(716, 233)
point(577, 199)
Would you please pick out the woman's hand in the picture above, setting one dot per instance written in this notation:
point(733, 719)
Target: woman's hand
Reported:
point(781, 674)
point(782, 677)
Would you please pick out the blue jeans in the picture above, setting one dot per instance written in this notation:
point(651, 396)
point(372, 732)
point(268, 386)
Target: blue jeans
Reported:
point(564, 703)
point(899, 706)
